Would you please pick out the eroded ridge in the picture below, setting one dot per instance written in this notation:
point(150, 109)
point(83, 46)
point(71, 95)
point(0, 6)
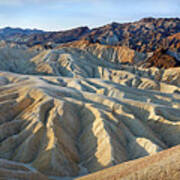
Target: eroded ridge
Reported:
point(58, 125)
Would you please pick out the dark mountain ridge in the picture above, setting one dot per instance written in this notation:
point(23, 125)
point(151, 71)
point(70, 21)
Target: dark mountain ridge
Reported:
point(33, 37)
point(145, 35)
point(8, 32)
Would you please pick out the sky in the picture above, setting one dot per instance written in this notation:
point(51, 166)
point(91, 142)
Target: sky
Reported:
point(55, 15)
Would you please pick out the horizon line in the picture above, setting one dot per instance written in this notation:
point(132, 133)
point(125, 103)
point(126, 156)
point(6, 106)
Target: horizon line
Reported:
point(89, 27)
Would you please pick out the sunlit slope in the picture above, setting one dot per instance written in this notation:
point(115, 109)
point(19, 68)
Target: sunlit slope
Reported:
point(162, 166)
point(59, 124)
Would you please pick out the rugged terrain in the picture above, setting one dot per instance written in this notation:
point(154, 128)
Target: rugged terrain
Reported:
point(145, 35)
point(74, 108)
point(58, 124)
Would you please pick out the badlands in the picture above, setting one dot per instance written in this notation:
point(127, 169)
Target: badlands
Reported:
point(86, 110)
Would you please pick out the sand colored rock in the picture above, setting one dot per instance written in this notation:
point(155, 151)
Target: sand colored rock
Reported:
point(58, 123)
point(115, 54)
point(162, 166)
point(80, 108)
point(15, 58)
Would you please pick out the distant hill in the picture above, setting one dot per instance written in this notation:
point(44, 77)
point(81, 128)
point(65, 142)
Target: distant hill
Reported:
point(34, 37)
point(11, 34)
point(145, 35)
point(8, 31)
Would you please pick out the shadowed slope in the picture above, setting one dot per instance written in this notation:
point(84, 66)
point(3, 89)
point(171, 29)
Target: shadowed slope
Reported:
point(20, 171)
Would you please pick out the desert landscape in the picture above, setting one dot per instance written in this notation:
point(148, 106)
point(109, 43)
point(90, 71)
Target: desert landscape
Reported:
point(86, 103)
point(73, 108)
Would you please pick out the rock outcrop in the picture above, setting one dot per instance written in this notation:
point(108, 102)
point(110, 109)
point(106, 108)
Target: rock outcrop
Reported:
point(162, 59)
point(172, 42)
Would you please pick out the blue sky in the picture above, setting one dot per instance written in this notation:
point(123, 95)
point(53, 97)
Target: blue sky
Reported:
point(66, 14)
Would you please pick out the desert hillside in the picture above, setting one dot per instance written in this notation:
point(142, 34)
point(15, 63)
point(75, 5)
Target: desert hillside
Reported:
point(156, 167)
point(74, 103)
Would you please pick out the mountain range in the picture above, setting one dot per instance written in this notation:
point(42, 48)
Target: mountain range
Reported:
point(144, 35)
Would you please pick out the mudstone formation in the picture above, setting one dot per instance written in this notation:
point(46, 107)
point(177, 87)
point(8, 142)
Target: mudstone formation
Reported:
point(87, 101)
